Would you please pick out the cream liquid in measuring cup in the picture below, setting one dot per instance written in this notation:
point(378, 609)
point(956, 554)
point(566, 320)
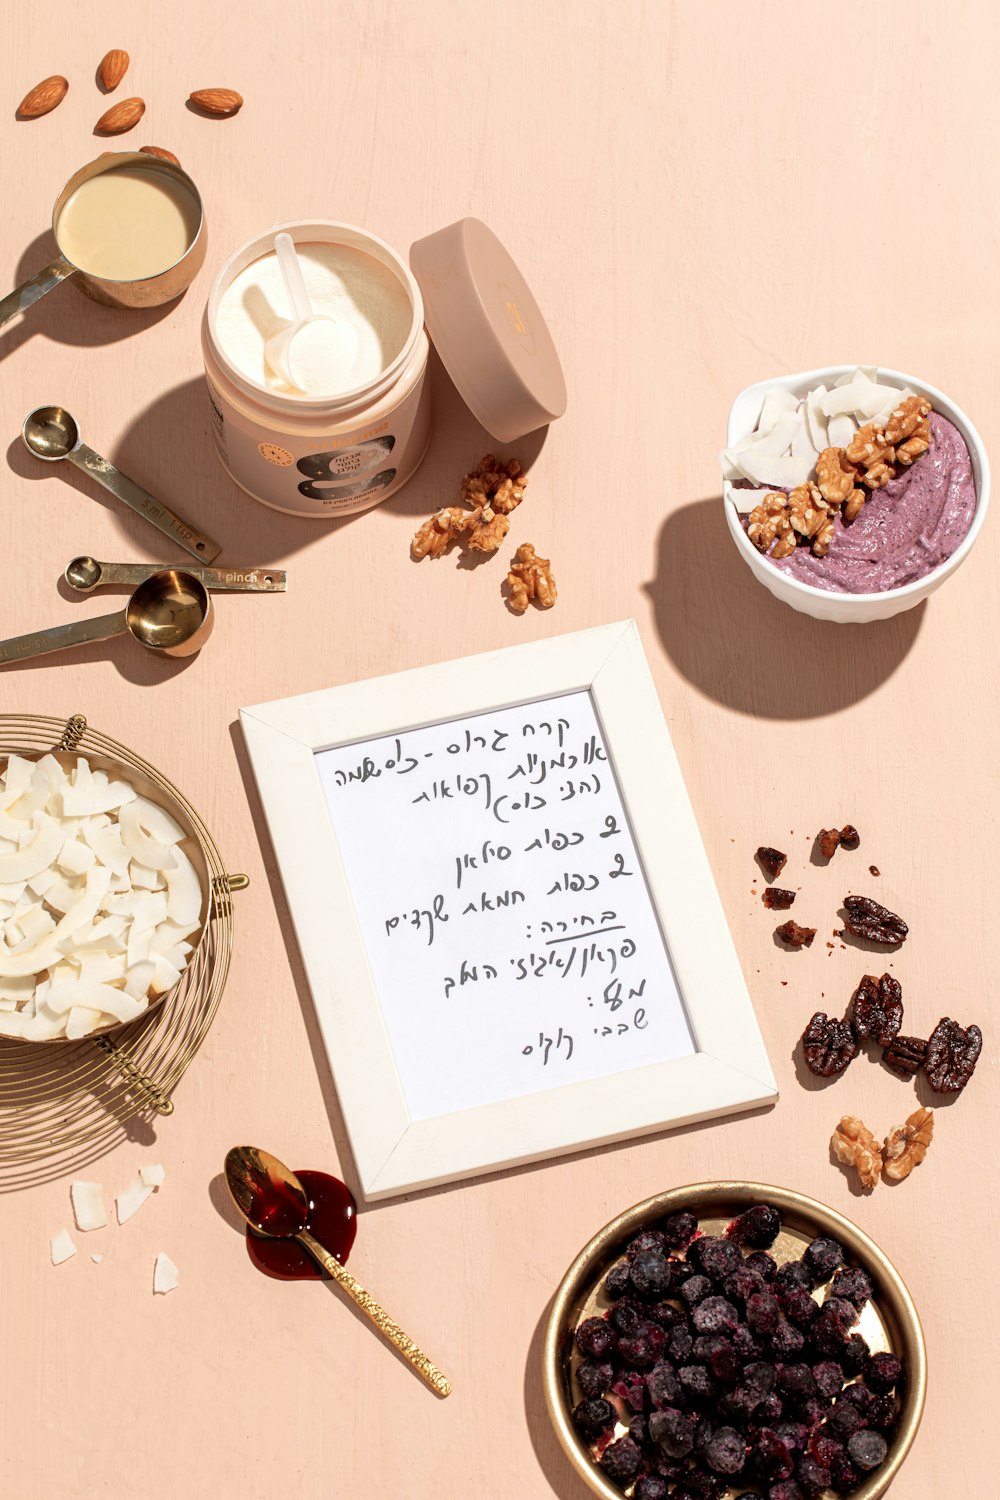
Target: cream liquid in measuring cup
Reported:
point(128, 224)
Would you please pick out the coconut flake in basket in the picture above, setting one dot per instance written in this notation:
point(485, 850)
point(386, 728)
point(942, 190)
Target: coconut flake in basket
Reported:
point(98, 901)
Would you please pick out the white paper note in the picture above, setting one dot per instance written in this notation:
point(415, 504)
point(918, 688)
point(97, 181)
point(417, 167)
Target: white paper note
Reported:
point(505, 914)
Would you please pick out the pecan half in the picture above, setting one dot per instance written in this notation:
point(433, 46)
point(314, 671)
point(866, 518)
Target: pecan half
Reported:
point(850, 837)
point(867, 919)
point(795, 936)
point(905, 1055)
point(829, 841)
point(878, 1009)
point(776, 899)
point(906, 1145)
point(828, 1045)
point(952, 1054)
point(853, 1144)
point(771, 861)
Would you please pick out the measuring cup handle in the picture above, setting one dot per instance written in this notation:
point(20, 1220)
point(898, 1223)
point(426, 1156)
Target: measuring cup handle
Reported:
point(144, 504)
point(80, 633)
point(30, 291)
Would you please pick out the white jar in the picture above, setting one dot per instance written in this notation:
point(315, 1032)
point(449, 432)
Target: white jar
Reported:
point(325, 456)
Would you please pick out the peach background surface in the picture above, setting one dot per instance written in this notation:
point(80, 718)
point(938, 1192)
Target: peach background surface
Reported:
point(701, 194)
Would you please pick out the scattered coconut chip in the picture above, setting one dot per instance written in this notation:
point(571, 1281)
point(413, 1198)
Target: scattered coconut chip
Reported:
point(97, 1259)
point(152, 1176)
point(88, 1205)
point(165, 1277)
point(131, 1200)
point(62, 1247)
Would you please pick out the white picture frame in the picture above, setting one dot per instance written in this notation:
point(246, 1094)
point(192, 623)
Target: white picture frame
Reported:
point(393, 1153)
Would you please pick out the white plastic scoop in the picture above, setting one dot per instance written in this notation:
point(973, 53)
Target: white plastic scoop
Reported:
point(312, 352)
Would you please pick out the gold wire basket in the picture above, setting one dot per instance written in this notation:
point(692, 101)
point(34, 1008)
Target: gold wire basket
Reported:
point(64, 1104)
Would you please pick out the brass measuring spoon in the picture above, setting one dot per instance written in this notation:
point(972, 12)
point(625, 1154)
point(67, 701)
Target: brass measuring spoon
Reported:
point(273, 1201)
point(51, 434)
point(170, 614)
point(86, 573)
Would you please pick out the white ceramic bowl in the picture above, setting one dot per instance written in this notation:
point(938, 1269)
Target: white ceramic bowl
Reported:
point(822, 604)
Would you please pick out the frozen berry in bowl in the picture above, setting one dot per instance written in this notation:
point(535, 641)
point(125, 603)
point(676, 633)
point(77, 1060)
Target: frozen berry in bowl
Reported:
point(596, 1338)
point(622, 1460)
point(594, 1417)
point(757, 1228)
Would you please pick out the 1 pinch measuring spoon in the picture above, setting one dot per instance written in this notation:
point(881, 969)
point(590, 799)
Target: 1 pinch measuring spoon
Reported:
point(169, 614)
point(51, 434)
point(86, 573)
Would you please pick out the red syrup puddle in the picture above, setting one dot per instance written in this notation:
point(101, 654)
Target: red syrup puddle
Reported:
point(332, 1220)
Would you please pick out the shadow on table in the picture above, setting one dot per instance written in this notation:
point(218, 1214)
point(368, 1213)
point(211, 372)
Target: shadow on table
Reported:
point(737, 644)
point(552, 1461)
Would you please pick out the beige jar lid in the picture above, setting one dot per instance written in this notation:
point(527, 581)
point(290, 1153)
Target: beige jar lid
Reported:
point(488, 329)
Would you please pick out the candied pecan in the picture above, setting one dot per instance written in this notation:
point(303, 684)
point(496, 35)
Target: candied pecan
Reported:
point(906, 418)
point(905, 1055)
point(867, 919)
point(869, 446)
point(853, 1144)
point(530, 577)
point(852, 506)
point(770, 526)
point(952, 1054)
point(915, 445)
point(487, 530)
point(850, 837)
point(828, 1045)
point(829, 840)
point(878, 1009)
point(906, 1145)
point(806, 509)
point(495, 483)
point(795, 936)
point(771, 861)
point(444, 527)
point(776, 899)
point(834, 476)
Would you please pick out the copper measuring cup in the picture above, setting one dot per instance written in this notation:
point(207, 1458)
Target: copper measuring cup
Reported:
point(147, 291)
point(170, 614)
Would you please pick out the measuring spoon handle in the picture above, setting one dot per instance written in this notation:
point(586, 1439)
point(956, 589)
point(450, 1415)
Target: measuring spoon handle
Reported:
point(220, 580)
point(30, 291)
point(80, 633)
point(144, 504)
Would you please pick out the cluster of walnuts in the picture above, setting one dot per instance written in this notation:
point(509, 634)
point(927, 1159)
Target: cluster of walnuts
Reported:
point(903, 1149)
point(844, 479)
point(490, 494)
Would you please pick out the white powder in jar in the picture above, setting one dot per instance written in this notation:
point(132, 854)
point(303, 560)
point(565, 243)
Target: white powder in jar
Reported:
point(344, 284)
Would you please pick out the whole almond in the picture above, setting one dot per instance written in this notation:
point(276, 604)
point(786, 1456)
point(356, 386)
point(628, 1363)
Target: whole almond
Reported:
point(159, 151)
point(120, 117)
point(43, 97)
point(217, 101)
point(114, 66)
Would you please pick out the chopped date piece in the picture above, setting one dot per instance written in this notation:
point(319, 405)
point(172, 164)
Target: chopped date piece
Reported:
point(795, 936)
point(594, 1417)
point(850, 838)
point(867, 1450)
point(775, 899)
point(867, 919)
point(771, 861)
point(621, 1461)
point(829, 842)
point(758, 1227)
point(828, 1046)
point(952, 1054)
point(905, 1055)
point(878, 1009)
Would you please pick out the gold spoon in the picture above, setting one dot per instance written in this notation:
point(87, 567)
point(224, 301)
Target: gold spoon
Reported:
point(86, 573)
point(170, 614)
point(51, 434)
point(273, 1201)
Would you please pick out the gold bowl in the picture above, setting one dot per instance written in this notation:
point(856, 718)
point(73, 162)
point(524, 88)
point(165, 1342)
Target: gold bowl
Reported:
point(889, 1321)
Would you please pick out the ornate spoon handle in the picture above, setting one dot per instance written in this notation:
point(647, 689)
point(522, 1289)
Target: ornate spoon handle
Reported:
point(375, 1314)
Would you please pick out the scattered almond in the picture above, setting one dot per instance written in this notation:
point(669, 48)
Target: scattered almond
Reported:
point(114, 66)
point(43, 97)
point(120, 117)
point(217, 101)
point(159, 151)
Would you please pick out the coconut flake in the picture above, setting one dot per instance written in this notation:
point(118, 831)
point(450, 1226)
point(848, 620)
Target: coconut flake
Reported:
point(62, 1247)
point(97, 1259)
point(152, 1175)
point(131, 1200)
point(88, 1205)
point(165, 1277)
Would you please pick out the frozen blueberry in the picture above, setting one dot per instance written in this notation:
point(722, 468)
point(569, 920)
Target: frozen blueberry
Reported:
point(679, 1230)
point(667, 1315)
point(883, 1373)
point(651, 1273)
point(648, 1239)
point(695, 1290)
point(650, 1487)
point(785, 1489)
point(637, 1350)
point(621, 1461)
point(679, 1345)
point(792, 1274)
point(741, 1284)
point(763, 1313)
point(725, 1451)
point(759, 1380)
point(770, 1410)
point(765, 1265)
point(844, 1477)
point(757, 1228)
point(825, 1447)
point(822, 1258)
point(800, 1308)
point(845, 1418)
point(853, 1284)
point(714, 1315)
point(673, 1431)
point(680, 1272)
point(595, 1338)
point(812, 1411)
point(616, 1283)
point(594, 1417)
point(716, 1351)
point(884, 1413)
point(787, 1342)
point(697, 1383)
point(838, 1310)
point(715, 1257)
point(663, 1386)
point(794, 1435)
point(594, 1377)
point(858, 1395)
point(867, 1450)
point(854, 1355)
point(630, 1388)
point(811, 1475)
point(746, 1346)
point(771, 1457)
point(796, 1380)
point(627, 1316)
point(829, 1378)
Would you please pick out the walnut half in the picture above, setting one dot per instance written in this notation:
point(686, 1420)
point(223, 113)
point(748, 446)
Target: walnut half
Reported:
point(444, 527)
point(906, 1145)
point(853, 1144)
point(530, 578)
